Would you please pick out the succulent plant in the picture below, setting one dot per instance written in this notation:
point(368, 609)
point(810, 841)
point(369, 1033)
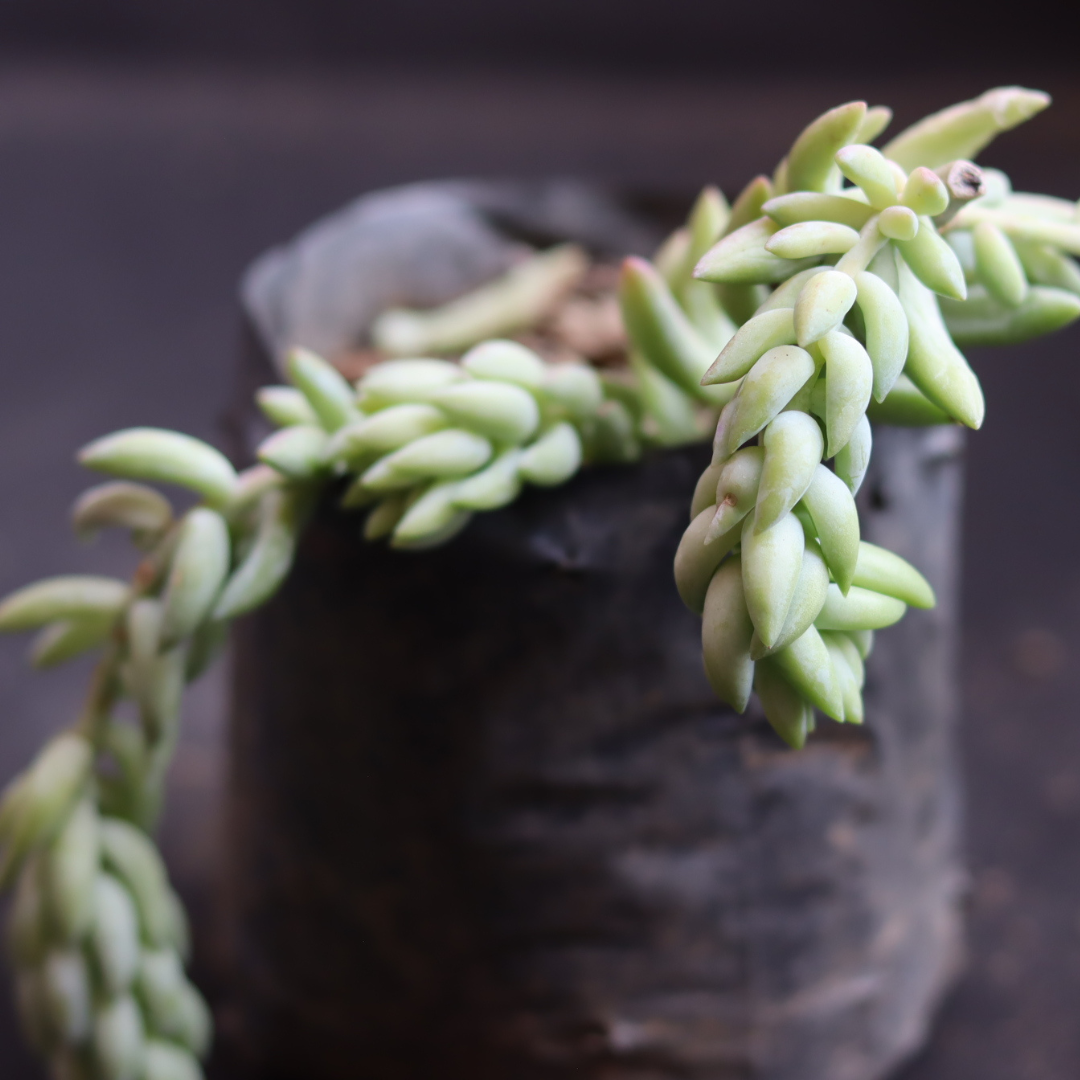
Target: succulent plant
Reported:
point(830, 295)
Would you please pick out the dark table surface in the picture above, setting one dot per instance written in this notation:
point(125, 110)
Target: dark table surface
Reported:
point(131, 200)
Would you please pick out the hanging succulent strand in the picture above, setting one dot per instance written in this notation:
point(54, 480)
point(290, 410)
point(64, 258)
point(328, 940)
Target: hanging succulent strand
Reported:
point(831, 294)
point(878, 264)
point(97, 936)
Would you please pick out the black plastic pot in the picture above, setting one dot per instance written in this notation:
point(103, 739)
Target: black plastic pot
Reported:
point(487, 818)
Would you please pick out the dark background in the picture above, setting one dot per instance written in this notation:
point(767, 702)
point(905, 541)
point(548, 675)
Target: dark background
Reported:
point(148, 152)
point(769, 41)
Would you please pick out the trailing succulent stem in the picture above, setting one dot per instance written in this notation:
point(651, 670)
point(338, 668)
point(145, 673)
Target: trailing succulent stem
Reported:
point(97, 936)
point(828, 296)
point(856, 272)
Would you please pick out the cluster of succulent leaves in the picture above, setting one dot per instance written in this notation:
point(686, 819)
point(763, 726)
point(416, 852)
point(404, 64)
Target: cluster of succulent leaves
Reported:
point(97, 935)
point(429, 442)
point(852, 274)
point(790, 318)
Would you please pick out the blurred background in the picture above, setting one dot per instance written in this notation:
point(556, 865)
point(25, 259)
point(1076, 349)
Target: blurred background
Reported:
point(149, 152)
